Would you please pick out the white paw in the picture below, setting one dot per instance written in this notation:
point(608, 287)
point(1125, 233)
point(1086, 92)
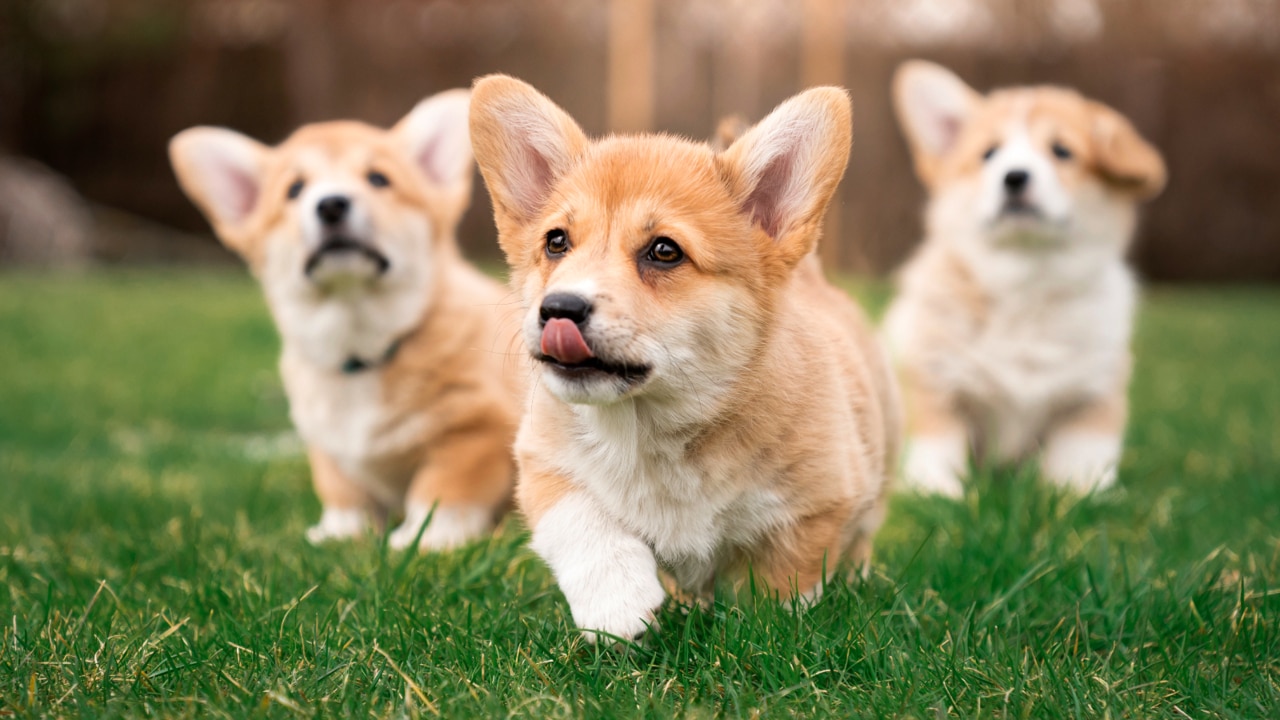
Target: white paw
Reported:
point(338, 524)
point(935, 464)
point(608, 575)
point(450, 527)
point(1082, 461)
point(625, 608)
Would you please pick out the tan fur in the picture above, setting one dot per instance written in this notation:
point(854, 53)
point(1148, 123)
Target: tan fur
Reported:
point(444, 407)
point(1013, 338)
point(793, 402)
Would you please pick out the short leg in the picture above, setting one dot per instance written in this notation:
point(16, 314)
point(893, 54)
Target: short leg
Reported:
point(348, 508)
point(860, 547)
point(1082, 452)
point(798, 559)
point(467, 479)
point(608, 575)
point(937, 448)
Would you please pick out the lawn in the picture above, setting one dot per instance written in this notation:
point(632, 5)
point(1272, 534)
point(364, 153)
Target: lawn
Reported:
point(153, 502)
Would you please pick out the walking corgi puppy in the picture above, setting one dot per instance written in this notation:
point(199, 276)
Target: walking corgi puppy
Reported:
point(1011, 328)
point(394, 357)
point(705, 402)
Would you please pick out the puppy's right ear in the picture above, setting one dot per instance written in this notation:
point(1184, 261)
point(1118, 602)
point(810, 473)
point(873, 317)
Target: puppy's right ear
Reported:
point(932, 105)
point(523, 143)
point(221, 171)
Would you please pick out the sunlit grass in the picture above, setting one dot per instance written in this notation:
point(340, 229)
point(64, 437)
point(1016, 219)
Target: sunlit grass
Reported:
point(152, 504)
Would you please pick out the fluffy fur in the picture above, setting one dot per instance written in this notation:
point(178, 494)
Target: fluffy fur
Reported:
point(749, 420)
point(1011, 328)
point(426, 417)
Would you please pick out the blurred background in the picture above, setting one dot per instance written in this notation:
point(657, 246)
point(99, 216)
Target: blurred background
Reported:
point(91, 90)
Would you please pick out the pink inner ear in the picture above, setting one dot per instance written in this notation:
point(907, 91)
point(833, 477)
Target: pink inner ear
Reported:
point(429, 161)
point(245, 194)
point(532, 183)
point(236, 193)
point(949, 128)
point(765, 201)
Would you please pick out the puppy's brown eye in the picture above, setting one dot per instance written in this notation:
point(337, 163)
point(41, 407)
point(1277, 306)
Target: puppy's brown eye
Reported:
point(377, 179)
point(295, 189)
point(990, 152)
point(664, 251)
point(557, 243)
point(1062, 152)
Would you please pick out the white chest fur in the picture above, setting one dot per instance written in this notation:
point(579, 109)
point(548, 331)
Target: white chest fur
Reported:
point(349, 416)
point(1041, 346)
point(1051, 337)
point(687, 512)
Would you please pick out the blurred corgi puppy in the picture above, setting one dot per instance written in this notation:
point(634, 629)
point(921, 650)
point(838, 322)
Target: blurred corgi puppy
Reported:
point(399, 378)
point(705, 402)
point(1011, 327)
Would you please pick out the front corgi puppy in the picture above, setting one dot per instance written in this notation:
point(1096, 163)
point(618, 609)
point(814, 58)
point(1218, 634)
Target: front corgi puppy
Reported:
point(705, 402)
point(395, 358)
point(1011, 328)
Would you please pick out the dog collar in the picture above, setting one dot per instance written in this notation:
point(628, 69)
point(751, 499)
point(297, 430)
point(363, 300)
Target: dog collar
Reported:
point(356, 364)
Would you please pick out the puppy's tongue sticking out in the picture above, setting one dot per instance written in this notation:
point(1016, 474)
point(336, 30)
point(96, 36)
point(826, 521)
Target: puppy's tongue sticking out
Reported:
point(562, 342)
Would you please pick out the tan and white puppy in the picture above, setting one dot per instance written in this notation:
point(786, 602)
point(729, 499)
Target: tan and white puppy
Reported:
point(1011, 328)
point(394, 359)
point(706, 402)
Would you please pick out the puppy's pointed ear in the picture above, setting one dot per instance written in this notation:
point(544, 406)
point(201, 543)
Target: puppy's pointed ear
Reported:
point(435, 135)
point(933, 105)
point(221, 171)
point(523, 144)
point(1123, 157)
point(784, 170)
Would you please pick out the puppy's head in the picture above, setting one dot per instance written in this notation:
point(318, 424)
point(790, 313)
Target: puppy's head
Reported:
point(338, 204)
point(649, 264)
point(1024, 165)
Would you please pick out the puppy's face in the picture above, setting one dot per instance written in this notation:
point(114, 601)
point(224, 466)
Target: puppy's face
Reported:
point(649, 265)
point(1028, 166)
point(338, 205)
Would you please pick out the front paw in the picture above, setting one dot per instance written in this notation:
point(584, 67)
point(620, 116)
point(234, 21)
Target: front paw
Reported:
point(620, 611)
point(451, 526)
point(1083, 462)
point(934, 465)
point(338, 524)
point(608, 574)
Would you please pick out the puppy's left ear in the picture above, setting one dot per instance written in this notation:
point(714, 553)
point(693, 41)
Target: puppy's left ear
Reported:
point(1123, 157)
point(784, 170)
point(435, 137)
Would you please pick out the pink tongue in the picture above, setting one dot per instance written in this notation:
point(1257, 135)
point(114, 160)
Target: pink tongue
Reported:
point(562, 341)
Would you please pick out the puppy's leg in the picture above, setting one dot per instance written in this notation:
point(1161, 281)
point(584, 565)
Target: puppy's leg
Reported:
point(466, 478)
point(937, 447)
point(798, 559)
point(1082, 451)
point(864, 532)
point(347, 506)
point(608, 575)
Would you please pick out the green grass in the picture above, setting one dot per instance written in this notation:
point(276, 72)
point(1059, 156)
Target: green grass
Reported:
point(152, 505)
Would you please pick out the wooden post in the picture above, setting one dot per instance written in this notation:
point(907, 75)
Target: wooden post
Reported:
point(822, 63)
point(631, 73)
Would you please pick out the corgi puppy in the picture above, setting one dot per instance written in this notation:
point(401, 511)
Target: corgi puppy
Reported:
point(1012, 323)
point(396, 378)
point(705, 402)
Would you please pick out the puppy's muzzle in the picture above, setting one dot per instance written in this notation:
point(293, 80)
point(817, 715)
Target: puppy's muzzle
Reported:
point(562, 316)
point(340, 245)
point(567, 306)
point(1017, 184)
point(564, 346)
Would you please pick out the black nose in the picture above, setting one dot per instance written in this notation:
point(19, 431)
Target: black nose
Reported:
point(1015, 181)
point(564, 305)
point(333, 209)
